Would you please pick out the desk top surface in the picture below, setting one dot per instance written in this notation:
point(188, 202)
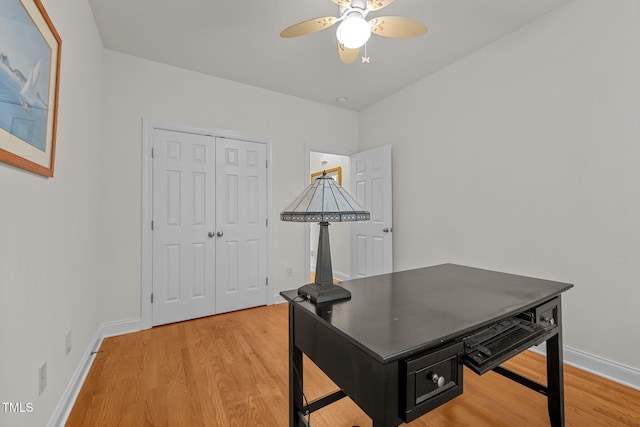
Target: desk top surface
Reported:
point(395, 315)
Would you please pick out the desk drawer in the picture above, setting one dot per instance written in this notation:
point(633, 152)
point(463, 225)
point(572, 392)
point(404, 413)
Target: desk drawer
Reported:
point(431, 379)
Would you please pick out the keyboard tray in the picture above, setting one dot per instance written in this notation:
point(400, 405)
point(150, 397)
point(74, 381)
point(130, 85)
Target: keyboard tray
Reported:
point(489, 347)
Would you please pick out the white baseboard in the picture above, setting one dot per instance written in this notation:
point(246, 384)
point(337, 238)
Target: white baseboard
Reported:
point(113, 329)
point(277, 298)
point(63, 410)
point(338, 275)
point(600, 366)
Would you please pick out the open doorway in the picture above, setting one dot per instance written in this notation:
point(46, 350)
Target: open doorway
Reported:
point(358, 249)
point(339, 168)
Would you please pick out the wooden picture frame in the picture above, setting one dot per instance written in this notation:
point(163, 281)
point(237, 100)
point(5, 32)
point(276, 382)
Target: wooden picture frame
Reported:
point(30, 54)
point(336, 173)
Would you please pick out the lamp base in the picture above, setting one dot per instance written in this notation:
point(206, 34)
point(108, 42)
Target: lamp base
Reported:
point(324, 293)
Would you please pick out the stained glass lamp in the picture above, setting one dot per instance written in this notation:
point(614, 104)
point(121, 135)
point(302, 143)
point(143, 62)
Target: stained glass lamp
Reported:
point(324, 201)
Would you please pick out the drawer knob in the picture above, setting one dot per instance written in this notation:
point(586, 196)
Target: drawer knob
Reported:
point(437, 379)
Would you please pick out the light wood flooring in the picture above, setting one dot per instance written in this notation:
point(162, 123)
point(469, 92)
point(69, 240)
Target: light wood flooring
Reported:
point(231, 370)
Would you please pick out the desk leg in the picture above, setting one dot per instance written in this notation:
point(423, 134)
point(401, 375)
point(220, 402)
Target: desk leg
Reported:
point(295, 376)
point(385, 413)
point(384, 423)
point(555, 376)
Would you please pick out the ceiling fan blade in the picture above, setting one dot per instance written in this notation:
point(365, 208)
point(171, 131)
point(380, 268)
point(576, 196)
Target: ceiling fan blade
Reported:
point(397, 27)
point(308, 27)
point(374, 5)
point(348, 56)
point(342, 3)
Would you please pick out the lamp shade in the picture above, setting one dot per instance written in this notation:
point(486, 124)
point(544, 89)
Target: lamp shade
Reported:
point(324, 201)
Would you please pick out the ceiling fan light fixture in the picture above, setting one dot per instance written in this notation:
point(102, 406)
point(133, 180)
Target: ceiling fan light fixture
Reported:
point(353, 32)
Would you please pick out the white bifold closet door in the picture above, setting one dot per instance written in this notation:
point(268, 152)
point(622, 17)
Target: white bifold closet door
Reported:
point(209, 225)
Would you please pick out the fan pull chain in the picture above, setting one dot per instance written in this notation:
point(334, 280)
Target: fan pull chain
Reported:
point(365, 58)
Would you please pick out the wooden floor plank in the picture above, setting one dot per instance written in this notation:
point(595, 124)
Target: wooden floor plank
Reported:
point(231, 370)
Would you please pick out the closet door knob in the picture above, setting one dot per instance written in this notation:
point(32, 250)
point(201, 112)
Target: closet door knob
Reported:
point(211, 234)
point(219, 234)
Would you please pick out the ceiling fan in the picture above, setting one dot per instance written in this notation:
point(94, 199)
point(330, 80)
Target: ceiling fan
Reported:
point(354, 31)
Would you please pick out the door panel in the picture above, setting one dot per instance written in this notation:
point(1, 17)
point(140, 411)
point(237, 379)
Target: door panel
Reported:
point(241, 272)
point(361, 256)
point(183, 214)
point(379, 251)
point(372, 241)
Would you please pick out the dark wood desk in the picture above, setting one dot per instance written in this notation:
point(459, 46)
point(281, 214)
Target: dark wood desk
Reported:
point(397, 347)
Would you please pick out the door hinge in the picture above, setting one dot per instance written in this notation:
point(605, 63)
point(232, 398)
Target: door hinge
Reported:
point(152, 298)
point(266, 281)
point(267, 222)
point(152, 153)
point(266, 164)
point(151, 225)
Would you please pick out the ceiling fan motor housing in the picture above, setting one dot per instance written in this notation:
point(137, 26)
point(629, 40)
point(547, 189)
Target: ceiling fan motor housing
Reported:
point(355, 6)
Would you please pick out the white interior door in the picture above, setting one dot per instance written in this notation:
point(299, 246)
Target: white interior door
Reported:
point(183, 215)
point(372, 241)
point(241, 232)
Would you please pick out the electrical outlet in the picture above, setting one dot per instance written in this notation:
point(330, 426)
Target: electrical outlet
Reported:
point(67, 343)
point(289, 271)
point(42, 373)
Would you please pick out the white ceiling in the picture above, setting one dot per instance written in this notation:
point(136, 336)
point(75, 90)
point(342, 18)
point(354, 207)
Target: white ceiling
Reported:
point(240, 41)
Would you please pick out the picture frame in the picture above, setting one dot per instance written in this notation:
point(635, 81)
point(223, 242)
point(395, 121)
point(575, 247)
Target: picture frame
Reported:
point(30, 53)
point(335, 173)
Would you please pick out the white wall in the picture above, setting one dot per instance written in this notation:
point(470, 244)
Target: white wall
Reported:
point(523, 157)
point(50, 263)
point(137, 88)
